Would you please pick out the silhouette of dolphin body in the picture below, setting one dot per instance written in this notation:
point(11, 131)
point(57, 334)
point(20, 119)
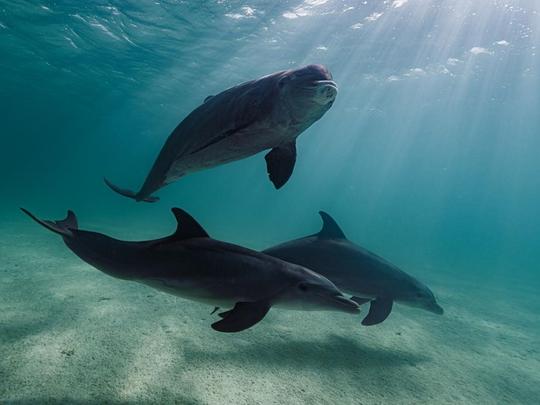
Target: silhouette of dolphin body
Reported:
point(355, 270)
point(191, 265)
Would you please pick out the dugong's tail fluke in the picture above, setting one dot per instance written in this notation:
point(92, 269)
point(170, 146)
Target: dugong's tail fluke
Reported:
point(129, 193)
point(62, 227)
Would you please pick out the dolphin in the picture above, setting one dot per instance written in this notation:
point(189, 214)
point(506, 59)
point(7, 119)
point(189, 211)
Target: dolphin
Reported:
point(267, 113)
point(192, 265)
point(357, 271)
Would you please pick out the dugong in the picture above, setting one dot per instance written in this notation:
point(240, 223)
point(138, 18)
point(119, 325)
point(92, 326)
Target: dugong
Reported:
point(191, 265)
point(357, 271)
point(267, 113)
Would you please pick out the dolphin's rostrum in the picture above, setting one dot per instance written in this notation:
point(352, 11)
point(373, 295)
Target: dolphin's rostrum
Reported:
point(267, 113)
point(355, 270)
point(191, 265)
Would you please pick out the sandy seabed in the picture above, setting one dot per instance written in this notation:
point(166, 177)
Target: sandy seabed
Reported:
point(70, 334)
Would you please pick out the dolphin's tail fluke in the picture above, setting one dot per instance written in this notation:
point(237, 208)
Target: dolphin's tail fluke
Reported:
point(129, 193)
point(64, 227)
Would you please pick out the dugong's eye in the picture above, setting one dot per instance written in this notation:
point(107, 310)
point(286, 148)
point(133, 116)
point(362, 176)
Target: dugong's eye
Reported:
point(302, 287)
point(283, 81)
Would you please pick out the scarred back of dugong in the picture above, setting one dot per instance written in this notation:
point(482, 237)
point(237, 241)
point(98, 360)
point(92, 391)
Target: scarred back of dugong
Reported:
point(268, 113)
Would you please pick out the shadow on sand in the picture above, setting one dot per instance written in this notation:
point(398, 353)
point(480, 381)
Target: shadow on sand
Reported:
point(335, 352)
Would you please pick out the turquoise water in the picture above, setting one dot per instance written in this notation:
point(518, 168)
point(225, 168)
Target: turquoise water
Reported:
point(429, 156)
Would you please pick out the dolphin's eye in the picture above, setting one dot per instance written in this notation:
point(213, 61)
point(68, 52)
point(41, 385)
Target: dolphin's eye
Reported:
point(419, 295)
point(302, 287)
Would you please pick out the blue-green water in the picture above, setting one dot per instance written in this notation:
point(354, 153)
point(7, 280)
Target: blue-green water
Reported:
point(429, 156)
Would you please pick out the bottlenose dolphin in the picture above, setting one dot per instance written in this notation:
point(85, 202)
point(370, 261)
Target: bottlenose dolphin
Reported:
point(357, 271)
point(191, 265)
point(267, 113)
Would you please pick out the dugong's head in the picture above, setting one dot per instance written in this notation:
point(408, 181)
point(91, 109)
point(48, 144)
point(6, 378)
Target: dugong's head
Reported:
point(309, 291)
point(306, 93)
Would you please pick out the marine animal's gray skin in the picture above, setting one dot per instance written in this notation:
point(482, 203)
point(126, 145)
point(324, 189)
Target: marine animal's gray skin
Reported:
point(267, 113)
point(191, 265)
point(357, 271)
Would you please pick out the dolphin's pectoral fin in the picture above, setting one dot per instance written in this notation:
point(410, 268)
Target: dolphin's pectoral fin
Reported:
point(128, 193)
point(242, 316)
point(280, 163)
point(214, 311)
point(379, 310)
point(360, 300)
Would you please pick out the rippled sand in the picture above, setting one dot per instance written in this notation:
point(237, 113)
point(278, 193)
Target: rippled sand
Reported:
point(71, 334)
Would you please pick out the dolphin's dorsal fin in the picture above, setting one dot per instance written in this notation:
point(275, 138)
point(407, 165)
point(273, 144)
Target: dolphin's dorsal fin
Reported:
point(187, 227)
point(330, 228)
point(207, 99)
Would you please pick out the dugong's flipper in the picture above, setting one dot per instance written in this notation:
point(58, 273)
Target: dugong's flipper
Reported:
point(379, 310)
point(242, 316)
point(280, 163)
point(129, 193)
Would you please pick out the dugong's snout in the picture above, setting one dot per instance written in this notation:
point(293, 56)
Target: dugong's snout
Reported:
point(325, 91)
point(307, 92)
point(309, 78)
